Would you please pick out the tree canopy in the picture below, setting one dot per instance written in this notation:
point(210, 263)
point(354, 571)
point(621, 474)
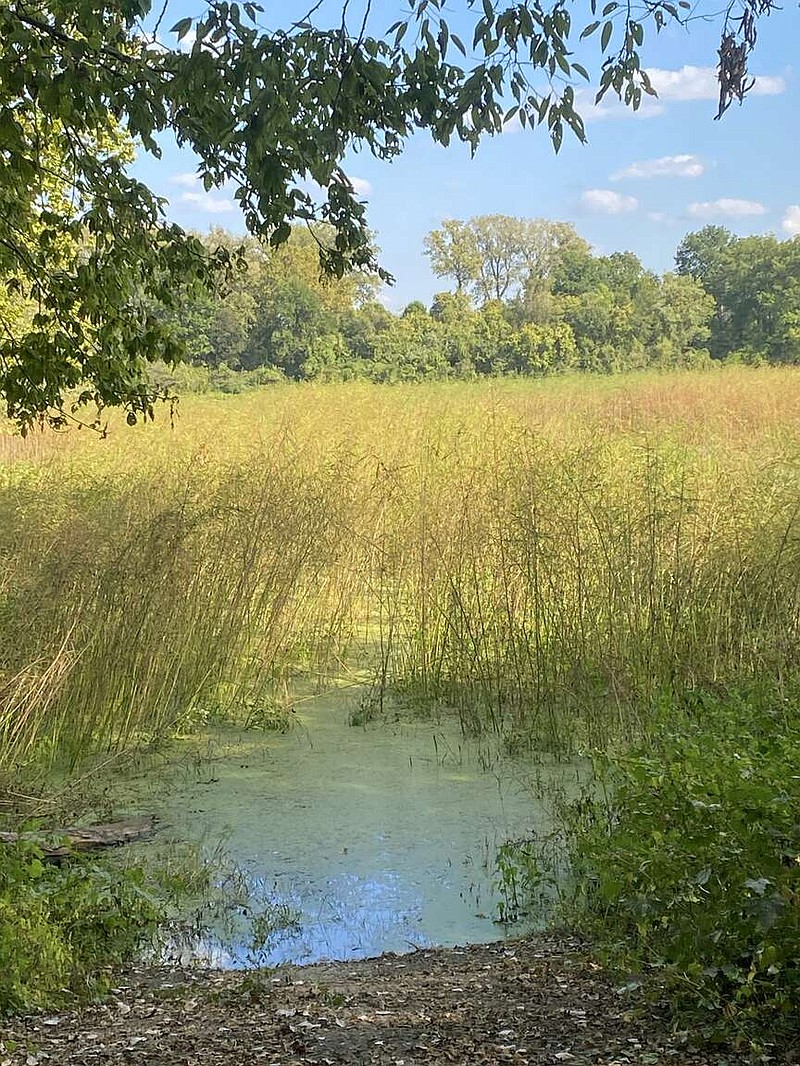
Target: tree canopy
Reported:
point(731, 299)
point(755, 283)
point(86, 250)
point(495, 256)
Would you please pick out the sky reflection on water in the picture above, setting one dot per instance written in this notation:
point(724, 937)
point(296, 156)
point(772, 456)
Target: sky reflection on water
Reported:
point(367, 839)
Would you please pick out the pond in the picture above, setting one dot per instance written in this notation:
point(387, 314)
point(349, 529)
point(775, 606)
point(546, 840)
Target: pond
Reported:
point(352, 840)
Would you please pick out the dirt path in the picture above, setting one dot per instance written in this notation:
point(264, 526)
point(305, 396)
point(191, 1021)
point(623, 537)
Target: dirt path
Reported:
point(531, 1001)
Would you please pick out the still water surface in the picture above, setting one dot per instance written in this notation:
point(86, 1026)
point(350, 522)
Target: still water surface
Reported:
point(371, 838)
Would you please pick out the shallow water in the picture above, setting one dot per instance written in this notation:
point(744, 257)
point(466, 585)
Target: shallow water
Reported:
point(369, 838)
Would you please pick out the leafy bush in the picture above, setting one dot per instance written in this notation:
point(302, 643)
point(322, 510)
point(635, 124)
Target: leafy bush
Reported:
point(62, 926)
point(686, 857)
point(183, 378)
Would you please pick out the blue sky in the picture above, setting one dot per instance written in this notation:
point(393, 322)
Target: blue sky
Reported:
point(642, 182)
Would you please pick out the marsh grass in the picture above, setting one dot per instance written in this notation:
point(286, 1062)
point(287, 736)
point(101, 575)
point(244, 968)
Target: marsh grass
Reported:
point(548, 559)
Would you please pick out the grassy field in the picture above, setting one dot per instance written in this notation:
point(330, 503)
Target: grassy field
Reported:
point(551, 559)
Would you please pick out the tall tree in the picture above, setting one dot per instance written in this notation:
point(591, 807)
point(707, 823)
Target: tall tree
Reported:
point(497, 257)
point(214, 323)
point(675, 317)
point(578, 272)
point(704, 254)
point(453, 253)
point(755, 283)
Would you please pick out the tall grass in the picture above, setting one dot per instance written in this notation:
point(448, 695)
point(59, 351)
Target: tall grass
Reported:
point(550, 559)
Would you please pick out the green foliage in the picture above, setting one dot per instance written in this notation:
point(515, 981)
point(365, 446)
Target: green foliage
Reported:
point(62, 927)
point(604, 327)
point(185, 379)
point(496, 257)
point(411, 348)
point(755, 285)
point(565, 309)
point(547, 349)
point(286, 328)
point(677, 313)
point(686, 856)
point(214, 324)
point(84, 253)
point(578, 272)
point(516, 879)
point(624, 317)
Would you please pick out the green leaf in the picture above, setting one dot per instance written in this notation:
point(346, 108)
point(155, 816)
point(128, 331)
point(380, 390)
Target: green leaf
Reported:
point(605, 36)
point(182, 28)
point(758, 885)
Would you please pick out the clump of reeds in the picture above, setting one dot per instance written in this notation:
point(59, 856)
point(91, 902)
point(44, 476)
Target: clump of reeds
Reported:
point(548, 559)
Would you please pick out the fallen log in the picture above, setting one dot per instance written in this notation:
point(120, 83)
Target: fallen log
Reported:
point(58, 844)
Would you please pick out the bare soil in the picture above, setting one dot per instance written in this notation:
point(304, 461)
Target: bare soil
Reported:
point(538, 1000)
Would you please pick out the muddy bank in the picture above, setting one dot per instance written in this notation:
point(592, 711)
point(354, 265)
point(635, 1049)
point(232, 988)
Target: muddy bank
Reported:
point(539, 1000)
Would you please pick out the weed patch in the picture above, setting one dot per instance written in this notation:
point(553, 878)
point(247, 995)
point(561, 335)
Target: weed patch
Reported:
point(63, 927)
point(685, 863)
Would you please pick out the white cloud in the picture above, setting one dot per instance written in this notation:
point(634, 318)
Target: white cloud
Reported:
point(206, 201)
point(791, 220)
point(668, 166)
point(611, 107)
point(727, 207)
point(608, 202)
point(688, 83)
point(197, 196)
point(769, 85)
point(700, 83)
point(187, 181)
point(361, 187)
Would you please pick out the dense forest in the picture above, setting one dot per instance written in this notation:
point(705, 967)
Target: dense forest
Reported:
point(528, 297)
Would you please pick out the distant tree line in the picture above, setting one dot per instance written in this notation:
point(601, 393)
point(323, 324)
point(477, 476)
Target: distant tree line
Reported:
point(528, 297)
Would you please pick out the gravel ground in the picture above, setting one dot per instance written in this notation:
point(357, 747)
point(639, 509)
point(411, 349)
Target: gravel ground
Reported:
point(539, 1000)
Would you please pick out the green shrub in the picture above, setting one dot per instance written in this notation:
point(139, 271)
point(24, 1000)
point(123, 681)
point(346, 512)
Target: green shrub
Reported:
point(686, 857)
point(61, 927)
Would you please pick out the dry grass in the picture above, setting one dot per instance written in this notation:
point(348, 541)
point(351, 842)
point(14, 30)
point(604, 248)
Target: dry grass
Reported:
point(549, 558)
